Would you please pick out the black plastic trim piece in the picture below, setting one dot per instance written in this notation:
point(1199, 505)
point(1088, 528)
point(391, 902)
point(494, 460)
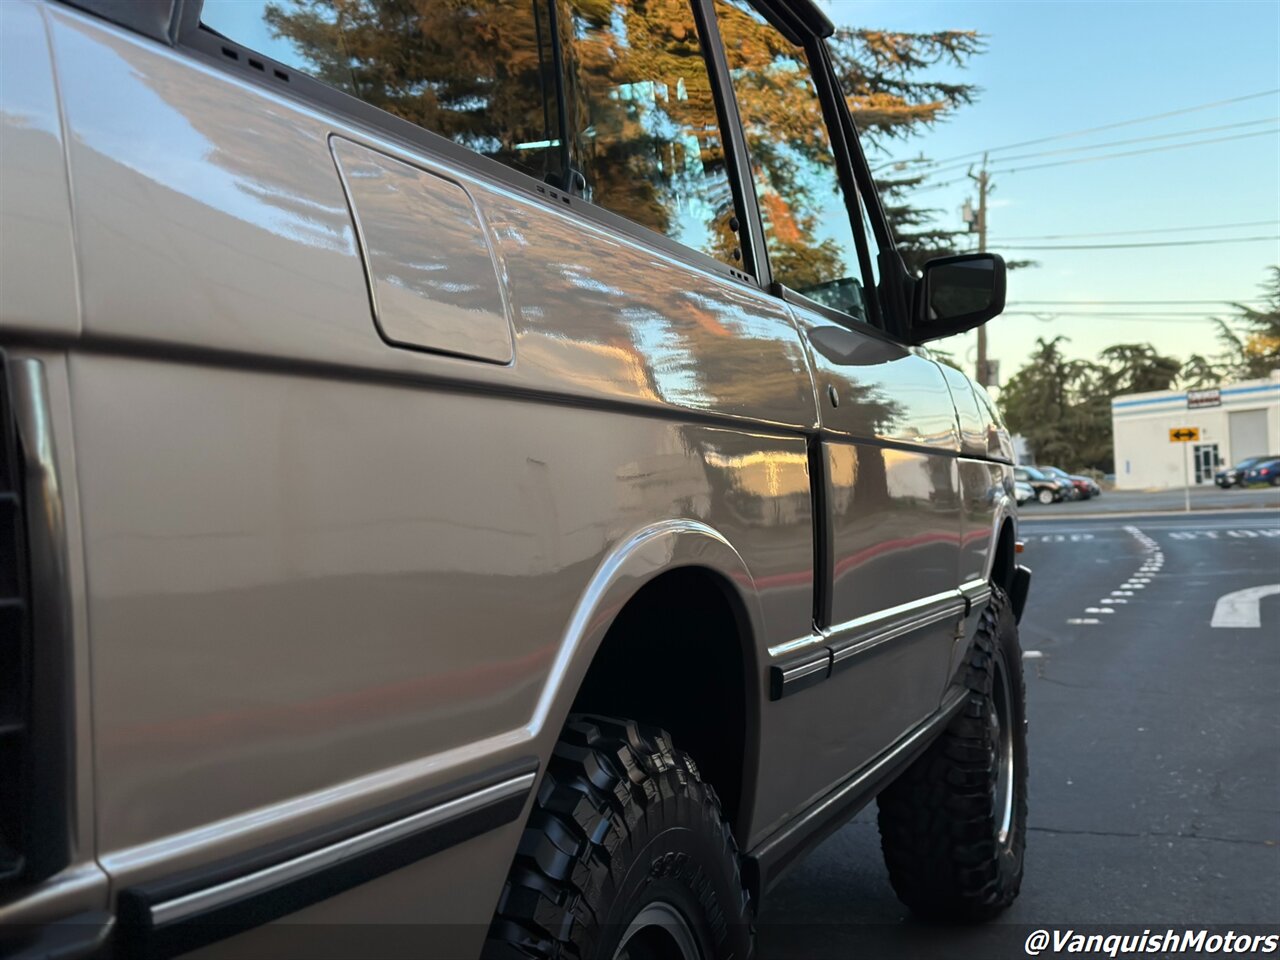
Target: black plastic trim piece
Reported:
point(36, 702)
point(139, 936)
point(764, 863)
point(975, 595)
point(824, 561)
point(798, 674)
point(1019, 589)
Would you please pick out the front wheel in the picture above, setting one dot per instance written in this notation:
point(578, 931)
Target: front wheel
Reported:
point(1045, 496)
point(626, 856)
point(953, 825)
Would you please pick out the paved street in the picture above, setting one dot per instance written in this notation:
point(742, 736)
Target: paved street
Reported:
point(1155, 776)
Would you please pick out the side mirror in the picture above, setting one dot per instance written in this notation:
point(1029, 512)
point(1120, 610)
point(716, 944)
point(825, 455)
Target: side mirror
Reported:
point(957, 294)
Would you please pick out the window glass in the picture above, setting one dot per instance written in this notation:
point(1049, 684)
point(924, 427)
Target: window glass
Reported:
point(808, 232)
point(479, 72)
point(646, 135)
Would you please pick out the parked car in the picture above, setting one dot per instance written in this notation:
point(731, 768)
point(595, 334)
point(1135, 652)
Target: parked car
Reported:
point(428, 518)
point(1235, 476)
point(1080, 486)
point(1263, 472)
point(1023, 492)
point(1048, 489)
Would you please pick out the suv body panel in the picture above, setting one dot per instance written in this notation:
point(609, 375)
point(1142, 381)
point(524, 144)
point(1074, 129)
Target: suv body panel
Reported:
point(315, 573)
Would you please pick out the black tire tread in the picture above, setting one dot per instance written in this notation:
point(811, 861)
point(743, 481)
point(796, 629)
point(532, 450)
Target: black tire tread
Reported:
point(936, 820)
point(607, 780)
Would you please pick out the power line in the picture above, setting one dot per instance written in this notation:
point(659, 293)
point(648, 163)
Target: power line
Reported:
point(1047, 315)
point(1134, 233)
point(1163, 243)
point(1115, 143)
point(1108, 156)
point(1121, 313)
point(1110, 126)
point(1125, 303)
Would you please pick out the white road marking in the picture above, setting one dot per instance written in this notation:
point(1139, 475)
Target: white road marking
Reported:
point(1098, 610)
point(1083, 620)
point(1235, 533)
point(1242, 608)
point(1031, 654)
point(1122, 593)
point(1113, 600)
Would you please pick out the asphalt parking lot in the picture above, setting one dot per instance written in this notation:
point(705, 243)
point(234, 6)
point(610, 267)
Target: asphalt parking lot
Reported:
point(1155, 774)
point(1204, 497)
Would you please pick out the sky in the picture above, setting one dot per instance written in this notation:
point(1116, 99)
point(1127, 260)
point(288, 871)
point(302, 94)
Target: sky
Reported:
point(1058, 67)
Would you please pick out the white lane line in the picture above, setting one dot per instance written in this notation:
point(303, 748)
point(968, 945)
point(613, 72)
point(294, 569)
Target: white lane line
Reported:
point(1113, 600)
point(1098, 610)
point(1242, 608)
point(1083, 620)
point(1031, 655)
point(1122, 593)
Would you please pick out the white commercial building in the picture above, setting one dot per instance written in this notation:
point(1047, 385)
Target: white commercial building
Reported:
point(1231, 422)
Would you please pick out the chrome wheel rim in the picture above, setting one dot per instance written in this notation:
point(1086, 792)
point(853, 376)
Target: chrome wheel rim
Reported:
point(1002, 721)
point(659, 932)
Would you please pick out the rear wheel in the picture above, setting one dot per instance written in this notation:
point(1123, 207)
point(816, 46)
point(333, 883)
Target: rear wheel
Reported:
point(953, 825)
point(626, 856)
point(1045, 496)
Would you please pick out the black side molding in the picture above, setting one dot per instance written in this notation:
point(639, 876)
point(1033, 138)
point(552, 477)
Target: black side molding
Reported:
point(173, 915)
point(1019, 589)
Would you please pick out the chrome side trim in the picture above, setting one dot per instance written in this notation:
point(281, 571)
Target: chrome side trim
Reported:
point(845, 642)
point(873, 621)
point(799, 643)
point(867, 640)
point(210, 898)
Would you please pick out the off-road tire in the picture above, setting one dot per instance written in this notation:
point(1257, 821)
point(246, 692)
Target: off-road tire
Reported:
point(940, 821)
point(622, 820)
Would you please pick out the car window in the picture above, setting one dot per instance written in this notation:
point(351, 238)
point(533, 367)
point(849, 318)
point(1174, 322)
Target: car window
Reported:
point(480, 72)
point(644, 126)
point(808, 232)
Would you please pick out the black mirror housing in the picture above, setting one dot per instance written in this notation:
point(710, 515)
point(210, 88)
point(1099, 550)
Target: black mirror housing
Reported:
point(956, 294)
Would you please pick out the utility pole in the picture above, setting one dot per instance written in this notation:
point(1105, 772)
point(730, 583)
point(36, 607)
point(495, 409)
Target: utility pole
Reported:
point(983, 179)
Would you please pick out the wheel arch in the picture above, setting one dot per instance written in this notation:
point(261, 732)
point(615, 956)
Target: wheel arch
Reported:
point(599, 662)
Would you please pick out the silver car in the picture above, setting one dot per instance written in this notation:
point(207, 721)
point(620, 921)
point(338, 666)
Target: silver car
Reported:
point(470, 479)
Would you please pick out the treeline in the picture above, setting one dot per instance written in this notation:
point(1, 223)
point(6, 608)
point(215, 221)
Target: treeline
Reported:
point(1063, 406)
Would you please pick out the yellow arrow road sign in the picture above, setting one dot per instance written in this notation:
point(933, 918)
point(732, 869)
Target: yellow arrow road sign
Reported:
point(1184, 434)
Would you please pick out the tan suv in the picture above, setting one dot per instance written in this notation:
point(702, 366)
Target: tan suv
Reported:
point(472, 486)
